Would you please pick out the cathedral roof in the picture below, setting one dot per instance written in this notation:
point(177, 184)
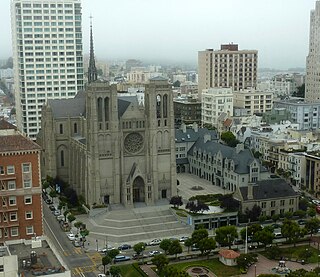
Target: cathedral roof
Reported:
point(68, 107)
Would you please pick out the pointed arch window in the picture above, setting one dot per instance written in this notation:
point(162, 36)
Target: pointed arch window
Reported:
point(106, 108)
point(165, 106)
point(75, 128)
point(158, 106)
point(62, 158)
point(99, 108)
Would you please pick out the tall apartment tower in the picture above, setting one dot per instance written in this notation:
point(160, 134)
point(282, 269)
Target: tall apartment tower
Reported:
point(227, 67)
point(47, 56)
point(312, 92)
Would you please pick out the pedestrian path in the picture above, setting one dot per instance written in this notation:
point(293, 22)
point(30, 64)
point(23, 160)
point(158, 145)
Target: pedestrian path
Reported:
point(84, 269)
point(75, 251)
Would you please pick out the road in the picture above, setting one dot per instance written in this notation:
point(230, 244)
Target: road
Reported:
point(77, 260)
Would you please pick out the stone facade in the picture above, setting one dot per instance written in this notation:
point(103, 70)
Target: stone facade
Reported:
point(112, 149)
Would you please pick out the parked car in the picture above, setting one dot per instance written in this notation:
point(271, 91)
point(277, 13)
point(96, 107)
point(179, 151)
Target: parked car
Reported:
point(155, 242)
point(183, 239)
point(141, 256)
point(77, 243)
point(49, 201)
point(154, 253)
point(105, 250)
point(194, 247)
point(121, 258)
point(124, 247)
point(56, 212)
point(238, 241)
point(301, 222)
point(60, 217)
point(277, 235)
point(71, 236)
point(101, 275)
point(52, 208)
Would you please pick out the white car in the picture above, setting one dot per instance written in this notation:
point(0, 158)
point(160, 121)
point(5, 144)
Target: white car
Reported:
point(101, 275)
point(154, 253)
point(57, 213)
point(183, 239)
point(155, 242)
point(71, 236)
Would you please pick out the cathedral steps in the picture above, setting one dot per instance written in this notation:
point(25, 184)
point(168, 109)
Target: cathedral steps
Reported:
point(138, 224)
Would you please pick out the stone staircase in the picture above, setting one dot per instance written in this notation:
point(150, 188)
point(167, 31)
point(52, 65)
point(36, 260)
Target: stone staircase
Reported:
point(138, 224)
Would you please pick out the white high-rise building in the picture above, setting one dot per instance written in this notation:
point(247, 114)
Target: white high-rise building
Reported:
point(47, 56)
point(312, 92)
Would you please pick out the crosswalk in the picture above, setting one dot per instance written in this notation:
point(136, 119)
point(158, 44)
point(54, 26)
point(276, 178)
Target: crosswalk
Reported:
point(83, 269)
point(75, 251)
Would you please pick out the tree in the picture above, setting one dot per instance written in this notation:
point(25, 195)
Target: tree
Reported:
point(201, 207)
point(229, 138)
point(78, 225)
point(229, 203)
point(53, 193)
point(65, 215)
point(176, 201)
point(170, 271)
point(206, 245)
point(188, 243)
point(251, 230)
point(175, 248)
point(275, 217)
point(198, 235)
point(115, 271)
point(105, 261)
point(288, 215)
point(177, 84)
point(311, 212)
point(300, 213)
point(160, 261)
point(300, 92)
point(191, 206)
point(225, 235)
point(273, 252)
point(165, 245)
point(291, 231)
point(254, 213)
point(303, 204)
point(245, 260)
point(139, 247)
point(71, 218)
point(312, 225)
point(113, 253)
point(264, 236)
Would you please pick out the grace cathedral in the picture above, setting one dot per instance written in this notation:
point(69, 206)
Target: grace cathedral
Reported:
point(112, 149)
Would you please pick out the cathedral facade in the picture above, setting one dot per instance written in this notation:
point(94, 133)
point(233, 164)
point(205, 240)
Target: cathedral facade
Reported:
point(112, 149)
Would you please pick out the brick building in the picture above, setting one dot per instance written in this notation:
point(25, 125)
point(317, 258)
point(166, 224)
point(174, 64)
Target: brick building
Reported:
point(20, 185)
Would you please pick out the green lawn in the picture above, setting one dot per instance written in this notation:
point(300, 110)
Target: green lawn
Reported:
point(213, 265)
point(129, 270)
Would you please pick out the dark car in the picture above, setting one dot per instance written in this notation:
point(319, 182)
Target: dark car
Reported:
point(301, 222)
point(238, 241)
point(124, 247)
point(52, 208)
point(48, 201)
point(121, 258)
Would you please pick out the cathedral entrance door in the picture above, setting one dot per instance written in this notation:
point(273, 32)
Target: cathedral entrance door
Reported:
point(138, 190)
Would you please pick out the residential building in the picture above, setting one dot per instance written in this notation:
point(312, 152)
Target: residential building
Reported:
point(216, 101)
point(189, 88)
point(276, 115)
point(306, 114)
point(185, 138)
point(20, 185)
point(282, 85)
point(227, 67)
point(47, 56)
point(254, 101)
point(187, 110)
point(274, 196)
point(224, 166)
point(312, 91)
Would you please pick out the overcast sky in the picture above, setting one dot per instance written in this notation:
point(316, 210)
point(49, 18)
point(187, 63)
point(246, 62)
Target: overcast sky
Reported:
point(175, 30)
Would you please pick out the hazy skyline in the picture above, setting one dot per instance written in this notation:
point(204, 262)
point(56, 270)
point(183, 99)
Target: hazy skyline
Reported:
point(175, 30)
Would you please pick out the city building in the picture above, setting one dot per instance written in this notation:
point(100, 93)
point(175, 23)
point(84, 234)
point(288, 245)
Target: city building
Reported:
point(20, 185)
point(227, 67)
point(224, 166)
point(276, 115)
point(47, 56)
point(312, 177)
point(253, 101)
point(186, 110)
point(312, 91)
point(274, 196)
point(306, 114)
point(216, 101)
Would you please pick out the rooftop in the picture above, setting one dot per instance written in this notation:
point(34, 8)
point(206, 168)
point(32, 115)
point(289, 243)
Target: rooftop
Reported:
point(16, 142)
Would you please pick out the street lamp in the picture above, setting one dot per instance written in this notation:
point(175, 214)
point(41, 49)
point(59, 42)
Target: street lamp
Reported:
point(255, 270)
point(318, 260)
point(97, 245)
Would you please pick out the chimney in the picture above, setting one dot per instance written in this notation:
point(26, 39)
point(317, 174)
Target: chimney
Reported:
point(183, 128)
point(250, 191)
point(206, 137)
point(195, 127)
point(239, 147)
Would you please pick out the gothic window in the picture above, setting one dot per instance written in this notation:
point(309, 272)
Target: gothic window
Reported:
point(62, 158)
point(158, 107)
point(99, 108)
point(106, 109)
point(75, 128)
point(165, 106)
point(61, 129)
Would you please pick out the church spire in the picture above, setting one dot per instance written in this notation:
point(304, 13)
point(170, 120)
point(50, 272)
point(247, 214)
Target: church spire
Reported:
point(92, 70)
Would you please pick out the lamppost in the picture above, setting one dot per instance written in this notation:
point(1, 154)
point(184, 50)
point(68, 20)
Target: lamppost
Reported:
point(255, 270)
point(97, 245)
point(318, 261)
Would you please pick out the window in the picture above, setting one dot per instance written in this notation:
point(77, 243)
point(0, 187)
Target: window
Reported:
point(264, 205)
point(27, 184)
point(14, 232)
point(29, 215)
point(28, 200)
point(13, 216)
point(1, 170)
point(11, 185)
point(29, 230)
point(26, 167)
point(61, 129)
point(10, 169)
point(273, 203)
point(291, 201)
point(62, 158)
point(12, 201)
point(281, 202)
point(75, 128)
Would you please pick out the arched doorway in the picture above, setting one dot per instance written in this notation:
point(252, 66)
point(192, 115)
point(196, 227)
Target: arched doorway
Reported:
point(138, 190)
